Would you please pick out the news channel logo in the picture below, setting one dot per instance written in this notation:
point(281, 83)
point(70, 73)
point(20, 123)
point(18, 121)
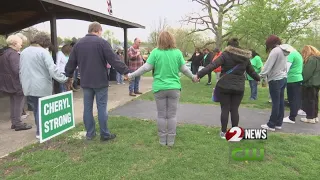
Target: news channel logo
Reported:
point(246, 151)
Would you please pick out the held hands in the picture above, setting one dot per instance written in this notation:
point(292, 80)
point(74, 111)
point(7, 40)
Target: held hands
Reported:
point(126, 77)
point(69, 84)
point(195, 78)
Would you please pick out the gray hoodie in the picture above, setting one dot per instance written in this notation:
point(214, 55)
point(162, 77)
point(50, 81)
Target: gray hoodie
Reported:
point(276, 66)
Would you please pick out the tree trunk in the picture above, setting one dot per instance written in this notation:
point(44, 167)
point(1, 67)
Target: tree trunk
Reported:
point(219, 39)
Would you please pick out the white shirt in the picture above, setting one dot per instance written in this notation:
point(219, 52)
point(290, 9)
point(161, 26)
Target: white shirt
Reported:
point(61, 61)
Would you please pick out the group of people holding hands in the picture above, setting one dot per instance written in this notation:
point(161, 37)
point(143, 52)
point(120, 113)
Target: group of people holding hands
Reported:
point(285, 67)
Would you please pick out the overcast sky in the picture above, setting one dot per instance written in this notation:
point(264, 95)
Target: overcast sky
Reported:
point(144, 12)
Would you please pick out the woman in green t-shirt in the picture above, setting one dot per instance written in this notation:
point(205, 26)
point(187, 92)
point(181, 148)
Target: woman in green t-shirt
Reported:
point(166, 61)
point(257, 64)
point(294, 81)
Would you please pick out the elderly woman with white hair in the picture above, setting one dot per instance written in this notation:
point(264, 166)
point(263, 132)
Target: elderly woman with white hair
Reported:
point(24, 113)
point(10, 81)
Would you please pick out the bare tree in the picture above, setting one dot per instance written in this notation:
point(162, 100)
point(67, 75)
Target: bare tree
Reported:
point(162, 25)
point(30, 32)
point(215, 12)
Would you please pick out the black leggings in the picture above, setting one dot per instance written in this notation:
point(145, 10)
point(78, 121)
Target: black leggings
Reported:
point(310, 101)
point(194, 68)
point(209, 77)
point(230, 102)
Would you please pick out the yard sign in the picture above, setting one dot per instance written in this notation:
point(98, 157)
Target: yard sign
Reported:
point(56, 115)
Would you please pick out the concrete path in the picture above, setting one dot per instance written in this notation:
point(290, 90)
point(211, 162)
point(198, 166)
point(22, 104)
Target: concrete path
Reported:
point(11, 140)
point(210, 115)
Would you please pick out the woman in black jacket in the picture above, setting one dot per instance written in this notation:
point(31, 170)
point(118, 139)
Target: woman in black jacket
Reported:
point(196, 60)
point(231, 86)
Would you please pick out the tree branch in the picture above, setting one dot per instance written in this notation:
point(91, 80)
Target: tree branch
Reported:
point(214, 25)
point(231, 6)
point(213, 7)
point(225, 35)
point(228, 2)
point(202, 2)
point(199, 30)
point(206, 44)
point(217, 4)
point(298, 30)
point(201, 20)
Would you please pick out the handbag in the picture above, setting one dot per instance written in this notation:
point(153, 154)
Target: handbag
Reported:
point(216, 91)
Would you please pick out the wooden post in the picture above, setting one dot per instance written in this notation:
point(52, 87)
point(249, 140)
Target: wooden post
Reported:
point(125, 44)
point(54, 41)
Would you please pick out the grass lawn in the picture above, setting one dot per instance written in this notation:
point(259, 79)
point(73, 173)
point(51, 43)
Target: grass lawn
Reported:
point(199, 93)
point(148, 74)
point(199, 153)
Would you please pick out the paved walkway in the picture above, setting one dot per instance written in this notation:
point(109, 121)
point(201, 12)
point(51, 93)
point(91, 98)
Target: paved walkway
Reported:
point(210, 115)
point(11, 140)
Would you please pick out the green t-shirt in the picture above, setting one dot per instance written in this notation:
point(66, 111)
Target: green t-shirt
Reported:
point(295, 71)
point(257, 64)
point(167, 64)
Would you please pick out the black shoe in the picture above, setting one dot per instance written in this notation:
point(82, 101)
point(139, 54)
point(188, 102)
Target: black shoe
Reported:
point(13, 126)
point(107, 138)
point(22, 127)
point(90, 138)
point(30, 109)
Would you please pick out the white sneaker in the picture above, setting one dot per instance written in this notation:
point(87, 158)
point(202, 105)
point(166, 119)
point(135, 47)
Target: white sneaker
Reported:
point(301, 113)
point(287, 120)
point(265, 126)
point(118, 83)
point(278, 127)
point(305, 120)
point(123, 83)
point(270, 101)
point(37, 136)
point(222, 135)
point(317, 119)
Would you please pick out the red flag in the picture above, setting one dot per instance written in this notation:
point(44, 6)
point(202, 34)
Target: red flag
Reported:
point(109, 7)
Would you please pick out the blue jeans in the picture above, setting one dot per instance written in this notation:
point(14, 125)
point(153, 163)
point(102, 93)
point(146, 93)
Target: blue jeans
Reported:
point(254, 89)
point(134, 84)
point(75, 78)
point(62, 87)
point(276, 89)
point(294, 98)
point(35, 103)
point(89, 122)
point(119, 78)
point(30, 104)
